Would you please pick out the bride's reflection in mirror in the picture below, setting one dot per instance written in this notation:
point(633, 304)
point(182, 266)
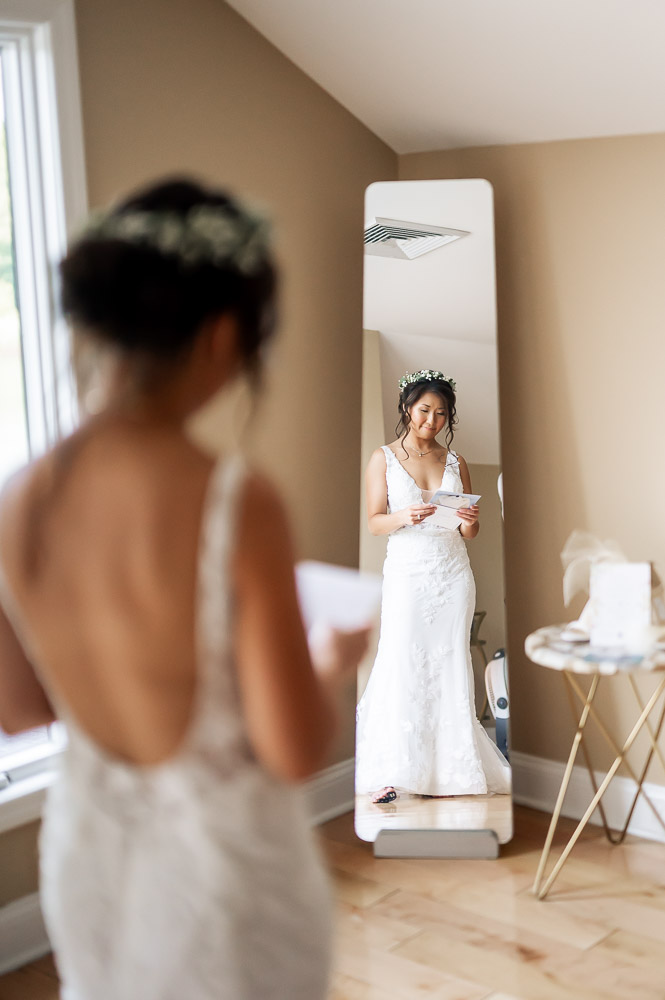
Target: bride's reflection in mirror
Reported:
point(417, 729)
point(423, 758)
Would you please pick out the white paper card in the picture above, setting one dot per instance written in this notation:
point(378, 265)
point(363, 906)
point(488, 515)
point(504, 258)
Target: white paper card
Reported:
point(336, 596)
point(443, 517)
point(621, 603)
point(447, 504)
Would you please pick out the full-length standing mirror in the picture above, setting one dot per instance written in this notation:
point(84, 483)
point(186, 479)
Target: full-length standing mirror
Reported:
point(426, 748)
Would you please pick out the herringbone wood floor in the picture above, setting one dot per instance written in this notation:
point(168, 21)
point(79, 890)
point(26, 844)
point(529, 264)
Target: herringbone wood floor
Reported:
point(472, 930)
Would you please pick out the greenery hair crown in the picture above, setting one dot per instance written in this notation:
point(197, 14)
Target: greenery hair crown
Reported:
point(426, 375)
point(214, 234)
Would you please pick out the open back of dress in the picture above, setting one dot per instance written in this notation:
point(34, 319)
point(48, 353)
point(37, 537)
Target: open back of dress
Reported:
point(197, 878)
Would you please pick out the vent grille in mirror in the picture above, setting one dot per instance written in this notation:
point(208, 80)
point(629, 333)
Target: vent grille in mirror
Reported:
point(406, 240)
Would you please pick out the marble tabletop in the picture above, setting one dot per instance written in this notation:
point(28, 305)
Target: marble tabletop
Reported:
point(548, 649)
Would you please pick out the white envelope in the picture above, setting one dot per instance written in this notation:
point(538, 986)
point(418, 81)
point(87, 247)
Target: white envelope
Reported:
point(336, 596)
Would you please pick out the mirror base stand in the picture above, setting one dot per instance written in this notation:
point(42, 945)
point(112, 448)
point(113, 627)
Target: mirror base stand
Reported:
point(436, 844)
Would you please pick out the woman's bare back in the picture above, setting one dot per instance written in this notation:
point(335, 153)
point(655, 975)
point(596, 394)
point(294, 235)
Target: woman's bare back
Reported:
point(99, 545)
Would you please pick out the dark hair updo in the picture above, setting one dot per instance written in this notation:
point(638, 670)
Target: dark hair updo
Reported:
point(151, 301)
point(410, 395)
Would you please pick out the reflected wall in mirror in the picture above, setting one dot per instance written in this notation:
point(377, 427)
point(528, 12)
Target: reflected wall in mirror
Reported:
point(426, 753)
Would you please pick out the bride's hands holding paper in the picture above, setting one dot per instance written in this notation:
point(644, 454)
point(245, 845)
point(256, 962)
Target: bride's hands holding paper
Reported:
point(469, 527)
point(468, 515)
point(416, 513)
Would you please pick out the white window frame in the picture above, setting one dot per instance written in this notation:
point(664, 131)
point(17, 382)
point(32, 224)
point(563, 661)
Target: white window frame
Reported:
point(49, 201)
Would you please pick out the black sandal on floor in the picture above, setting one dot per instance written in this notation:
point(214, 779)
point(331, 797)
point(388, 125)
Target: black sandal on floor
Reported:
point(389, 795)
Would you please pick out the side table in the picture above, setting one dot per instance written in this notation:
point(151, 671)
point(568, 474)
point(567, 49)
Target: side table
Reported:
point(546, 648)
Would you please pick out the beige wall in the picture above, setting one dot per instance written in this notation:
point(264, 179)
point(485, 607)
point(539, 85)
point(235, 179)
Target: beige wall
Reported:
point(174, 85)
point(581, 297)
point(18, 863)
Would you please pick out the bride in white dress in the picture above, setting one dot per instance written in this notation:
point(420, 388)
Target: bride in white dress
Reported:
point(417, 729)
point(147, 598)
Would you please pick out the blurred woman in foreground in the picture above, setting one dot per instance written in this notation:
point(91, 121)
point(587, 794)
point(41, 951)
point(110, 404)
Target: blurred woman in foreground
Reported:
point(148, 601)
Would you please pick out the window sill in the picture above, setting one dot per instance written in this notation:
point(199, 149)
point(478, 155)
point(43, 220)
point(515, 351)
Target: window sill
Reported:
point(22, 802)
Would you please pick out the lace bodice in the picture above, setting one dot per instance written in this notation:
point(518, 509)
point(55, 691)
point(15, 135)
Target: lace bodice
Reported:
point(428, 543)
point(397, 492)
point(404, 491)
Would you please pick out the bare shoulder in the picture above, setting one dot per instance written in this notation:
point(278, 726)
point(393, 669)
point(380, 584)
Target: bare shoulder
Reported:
point(13, 493)
point(24, 482)
point(377, 466)
point(378, 458)
point(99, 476)
point(18, 497)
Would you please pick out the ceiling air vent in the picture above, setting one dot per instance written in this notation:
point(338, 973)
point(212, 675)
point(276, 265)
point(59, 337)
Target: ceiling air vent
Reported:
point(394, 238)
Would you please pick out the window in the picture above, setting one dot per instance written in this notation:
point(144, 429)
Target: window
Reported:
point(14, 448)
point(42, 199)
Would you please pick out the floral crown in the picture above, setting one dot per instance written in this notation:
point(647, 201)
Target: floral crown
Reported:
point(206, 234)
point(425, 375)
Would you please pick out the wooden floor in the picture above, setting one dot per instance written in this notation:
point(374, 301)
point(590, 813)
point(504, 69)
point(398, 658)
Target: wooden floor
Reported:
point(418, 812)
point(472, 930)
point(466, 930)
point(37, 981)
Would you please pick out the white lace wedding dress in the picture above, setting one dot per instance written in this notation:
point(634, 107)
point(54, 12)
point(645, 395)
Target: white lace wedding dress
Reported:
point(416, 721)
point(196, 879)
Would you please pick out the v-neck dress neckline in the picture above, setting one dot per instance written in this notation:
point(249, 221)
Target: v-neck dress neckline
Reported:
point(423, 489)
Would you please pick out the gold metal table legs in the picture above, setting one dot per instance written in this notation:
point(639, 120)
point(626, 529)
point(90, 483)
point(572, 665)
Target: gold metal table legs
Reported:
point(542, 884)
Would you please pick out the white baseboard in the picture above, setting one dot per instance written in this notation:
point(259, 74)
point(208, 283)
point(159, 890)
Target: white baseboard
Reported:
point(22, 802)
point(23, 936)
point(330, 792)
point(536, 783)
